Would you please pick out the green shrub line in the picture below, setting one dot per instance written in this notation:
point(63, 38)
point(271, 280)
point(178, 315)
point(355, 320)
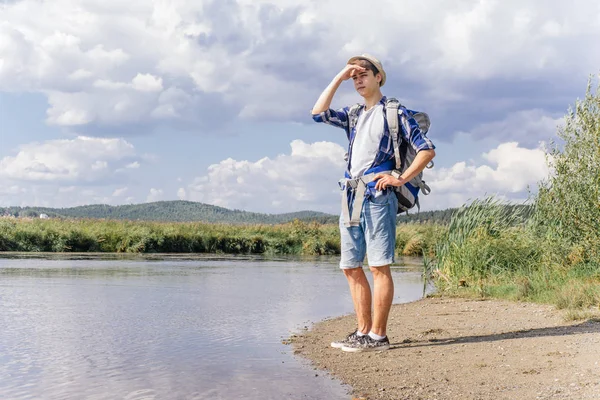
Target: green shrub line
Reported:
point(118, 236)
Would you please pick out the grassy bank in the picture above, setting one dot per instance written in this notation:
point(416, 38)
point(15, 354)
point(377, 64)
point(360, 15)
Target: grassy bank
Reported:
point(91, 235)
point(486, 253)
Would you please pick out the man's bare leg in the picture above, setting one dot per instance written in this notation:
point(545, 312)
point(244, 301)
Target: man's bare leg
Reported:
point(361, 296)
point(383, 295)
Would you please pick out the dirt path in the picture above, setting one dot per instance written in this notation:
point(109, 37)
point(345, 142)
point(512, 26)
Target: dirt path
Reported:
point(466, 349)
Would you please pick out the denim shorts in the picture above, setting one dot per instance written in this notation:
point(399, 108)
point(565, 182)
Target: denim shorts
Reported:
point(375, 236)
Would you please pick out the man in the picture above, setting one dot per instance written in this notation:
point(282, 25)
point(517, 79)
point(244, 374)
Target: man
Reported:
point(370, 152)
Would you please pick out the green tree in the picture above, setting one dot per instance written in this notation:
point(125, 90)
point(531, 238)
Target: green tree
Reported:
point(568, 202)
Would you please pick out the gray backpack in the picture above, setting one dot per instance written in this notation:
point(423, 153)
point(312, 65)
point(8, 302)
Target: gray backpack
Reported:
point(404, 154)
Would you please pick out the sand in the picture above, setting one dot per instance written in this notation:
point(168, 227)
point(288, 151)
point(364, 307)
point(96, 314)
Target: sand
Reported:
point(452, 348)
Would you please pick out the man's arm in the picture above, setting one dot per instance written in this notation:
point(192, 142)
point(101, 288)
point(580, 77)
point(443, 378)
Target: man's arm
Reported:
point(324, 101)
point(421, 160)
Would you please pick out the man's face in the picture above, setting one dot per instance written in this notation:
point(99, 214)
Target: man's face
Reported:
point(365, 82)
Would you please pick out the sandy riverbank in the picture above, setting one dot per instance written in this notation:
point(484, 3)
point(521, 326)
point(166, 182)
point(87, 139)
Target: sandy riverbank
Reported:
point(449, 348)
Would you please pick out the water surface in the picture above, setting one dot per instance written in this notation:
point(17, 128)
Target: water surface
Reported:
point(80, 327)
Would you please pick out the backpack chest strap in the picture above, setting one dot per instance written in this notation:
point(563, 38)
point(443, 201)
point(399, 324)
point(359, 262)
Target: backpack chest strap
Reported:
point(354, 190)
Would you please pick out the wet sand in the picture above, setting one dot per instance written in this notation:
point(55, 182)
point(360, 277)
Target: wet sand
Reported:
point(452, 348)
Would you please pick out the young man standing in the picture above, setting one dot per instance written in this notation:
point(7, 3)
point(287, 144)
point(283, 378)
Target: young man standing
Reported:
point(373, 231)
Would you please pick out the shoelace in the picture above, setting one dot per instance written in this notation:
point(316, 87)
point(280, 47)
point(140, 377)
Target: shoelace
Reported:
point(365, 339)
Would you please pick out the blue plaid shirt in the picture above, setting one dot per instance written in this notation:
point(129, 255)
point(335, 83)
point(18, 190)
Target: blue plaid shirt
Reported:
point(409, 131)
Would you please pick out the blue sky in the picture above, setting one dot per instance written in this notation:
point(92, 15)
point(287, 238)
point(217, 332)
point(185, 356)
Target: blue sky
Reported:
point(129, 102)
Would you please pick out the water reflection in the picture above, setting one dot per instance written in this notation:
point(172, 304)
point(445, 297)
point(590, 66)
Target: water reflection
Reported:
point(200, 328)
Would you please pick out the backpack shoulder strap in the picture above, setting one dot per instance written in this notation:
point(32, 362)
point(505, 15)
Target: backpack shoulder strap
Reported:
point(353, 117)
point(391, 112)
point(352, 120)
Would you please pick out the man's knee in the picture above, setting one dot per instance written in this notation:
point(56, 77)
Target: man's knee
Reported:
point(354, 273)
point(383, 270)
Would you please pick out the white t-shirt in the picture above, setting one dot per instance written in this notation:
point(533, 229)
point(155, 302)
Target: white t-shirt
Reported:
point(369, 132)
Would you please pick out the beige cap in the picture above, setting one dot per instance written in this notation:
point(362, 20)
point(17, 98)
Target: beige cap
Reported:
point(373, 61)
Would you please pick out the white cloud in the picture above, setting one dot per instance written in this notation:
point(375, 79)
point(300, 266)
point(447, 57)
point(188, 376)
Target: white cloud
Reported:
point(110, 58)
point(510, 171)
point(307, 179)
point(141, 82)
point(79, 160)
point(147, 83)
point(154, 195)
point(88, 59)
point(304, 179)
point(80, 74)
point(69, 109)
point(119, 192)
point(110, 85)
point(67, 172)
point(48, 195)
point(181, 194)
point(99, 165)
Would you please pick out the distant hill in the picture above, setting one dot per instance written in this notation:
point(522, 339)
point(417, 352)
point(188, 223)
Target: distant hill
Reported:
point(172, 211)
point(188, 211)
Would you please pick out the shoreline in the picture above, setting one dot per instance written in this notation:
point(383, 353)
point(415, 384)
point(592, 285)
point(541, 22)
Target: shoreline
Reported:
point(455, 348)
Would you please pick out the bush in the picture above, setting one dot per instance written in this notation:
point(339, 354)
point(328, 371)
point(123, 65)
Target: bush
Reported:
point(551, 254)
point(567, 207)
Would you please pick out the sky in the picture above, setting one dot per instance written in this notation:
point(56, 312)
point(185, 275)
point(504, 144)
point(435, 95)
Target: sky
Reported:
point(119, 102)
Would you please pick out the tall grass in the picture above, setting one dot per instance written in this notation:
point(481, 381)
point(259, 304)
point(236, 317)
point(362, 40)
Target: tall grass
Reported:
point(486, 253)
point(485, 238)
point(414, 239)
